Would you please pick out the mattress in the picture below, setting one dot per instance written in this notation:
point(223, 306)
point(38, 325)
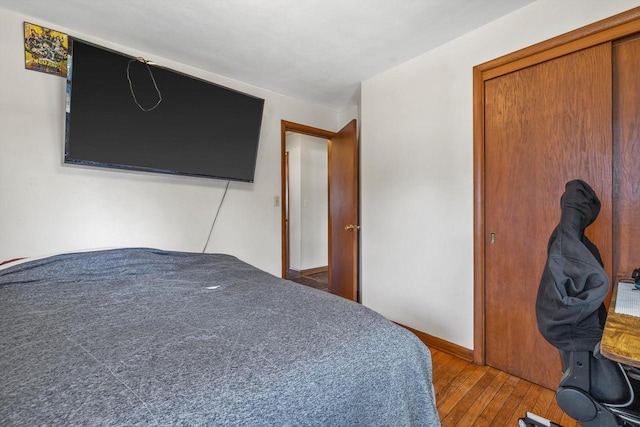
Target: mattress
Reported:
point(141, 336)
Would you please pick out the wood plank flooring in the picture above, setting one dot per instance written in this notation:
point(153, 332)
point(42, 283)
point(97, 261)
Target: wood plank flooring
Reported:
point(469, 395)
point(316, 280)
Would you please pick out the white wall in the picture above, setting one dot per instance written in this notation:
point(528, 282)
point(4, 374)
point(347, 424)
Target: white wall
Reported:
point(295, 200)
point(46, 207)
point(315, 203)
point(416, 169)
point(308, 201)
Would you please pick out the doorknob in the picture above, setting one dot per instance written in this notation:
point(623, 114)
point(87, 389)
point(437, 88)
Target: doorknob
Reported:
point(351, 227)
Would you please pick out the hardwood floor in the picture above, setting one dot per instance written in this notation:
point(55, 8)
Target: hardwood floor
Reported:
point(469, 395)
point(318, 280)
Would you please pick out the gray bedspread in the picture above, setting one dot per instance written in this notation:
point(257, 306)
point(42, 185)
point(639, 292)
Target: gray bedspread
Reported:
point(148, 337)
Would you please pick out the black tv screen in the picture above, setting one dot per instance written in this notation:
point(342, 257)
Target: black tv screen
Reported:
point(198, 128)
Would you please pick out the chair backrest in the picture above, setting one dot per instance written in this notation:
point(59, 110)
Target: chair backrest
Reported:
point(571, 314)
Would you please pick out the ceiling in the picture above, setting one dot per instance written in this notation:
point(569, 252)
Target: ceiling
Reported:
point(315, 50)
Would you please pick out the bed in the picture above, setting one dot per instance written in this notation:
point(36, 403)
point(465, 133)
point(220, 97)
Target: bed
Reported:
point(141, 336)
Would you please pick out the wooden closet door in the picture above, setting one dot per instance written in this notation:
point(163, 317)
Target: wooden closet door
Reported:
point(544, 125)
point(626, 134)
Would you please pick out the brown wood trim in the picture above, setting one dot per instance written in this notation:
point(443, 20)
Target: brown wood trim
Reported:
point(442, 345)
point(606, 30)
point(306, 130)
point(314, 270)
point(286, 126)
point(292, 272)
point(574, 46)
point(478, 219)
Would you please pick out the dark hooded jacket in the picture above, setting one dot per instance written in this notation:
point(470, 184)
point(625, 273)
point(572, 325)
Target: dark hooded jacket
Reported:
point(569, 307)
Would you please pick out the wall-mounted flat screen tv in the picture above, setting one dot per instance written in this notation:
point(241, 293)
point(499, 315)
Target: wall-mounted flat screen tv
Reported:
point(198, 128)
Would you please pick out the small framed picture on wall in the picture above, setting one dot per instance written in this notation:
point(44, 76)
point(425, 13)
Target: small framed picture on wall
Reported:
point(45, 50)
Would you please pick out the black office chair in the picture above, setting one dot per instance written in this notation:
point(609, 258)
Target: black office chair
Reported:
point(594, 390)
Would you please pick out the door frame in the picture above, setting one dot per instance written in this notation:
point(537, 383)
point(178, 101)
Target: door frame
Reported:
point(606, 30)
point(285, 127)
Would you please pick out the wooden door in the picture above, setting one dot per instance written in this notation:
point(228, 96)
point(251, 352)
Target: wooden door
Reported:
point(626, 134)
point(544, 125)
point(343, 212)
point(343, 204)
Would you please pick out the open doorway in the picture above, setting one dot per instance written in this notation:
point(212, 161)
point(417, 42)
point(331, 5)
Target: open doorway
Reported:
point(307, 208)
point(342, 213)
